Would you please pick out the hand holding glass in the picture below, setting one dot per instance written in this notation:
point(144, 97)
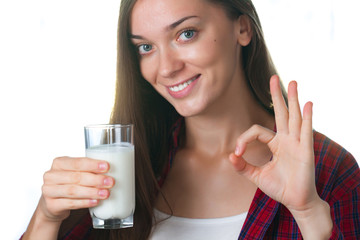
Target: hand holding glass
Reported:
point(114, 144)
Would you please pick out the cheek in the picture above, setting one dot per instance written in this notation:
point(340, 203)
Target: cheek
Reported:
point(212, 52)
point(148, 71)
point(203, 54)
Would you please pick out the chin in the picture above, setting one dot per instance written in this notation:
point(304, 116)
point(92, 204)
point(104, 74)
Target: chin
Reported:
point(189, 111)
point(190, 107)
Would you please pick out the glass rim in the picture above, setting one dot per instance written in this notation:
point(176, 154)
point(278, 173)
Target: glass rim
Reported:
point(107, 126)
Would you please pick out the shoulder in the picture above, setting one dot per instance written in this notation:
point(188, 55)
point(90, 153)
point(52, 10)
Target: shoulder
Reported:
point(337, 172)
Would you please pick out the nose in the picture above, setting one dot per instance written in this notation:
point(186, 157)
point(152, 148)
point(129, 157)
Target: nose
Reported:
point(170, 62)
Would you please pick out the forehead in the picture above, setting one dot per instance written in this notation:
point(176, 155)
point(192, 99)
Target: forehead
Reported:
point(149, 14)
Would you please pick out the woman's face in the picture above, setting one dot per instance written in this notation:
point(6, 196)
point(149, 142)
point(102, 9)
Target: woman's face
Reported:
point(188, 49)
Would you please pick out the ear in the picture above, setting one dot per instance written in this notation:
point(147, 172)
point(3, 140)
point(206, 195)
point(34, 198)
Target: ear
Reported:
point(244, 30)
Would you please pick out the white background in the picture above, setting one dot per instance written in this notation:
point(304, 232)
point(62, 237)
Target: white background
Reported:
point(57, 72)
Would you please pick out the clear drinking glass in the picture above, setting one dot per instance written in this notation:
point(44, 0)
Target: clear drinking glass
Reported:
point(114, 144)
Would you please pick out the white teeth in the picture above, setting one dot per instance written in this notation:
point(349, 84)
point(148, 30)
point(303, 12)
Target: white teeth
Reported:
point(182, 86)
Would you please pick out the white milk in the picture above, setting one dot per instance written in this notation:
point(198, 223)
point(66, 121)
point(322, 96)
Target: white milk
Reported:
point(121, 203)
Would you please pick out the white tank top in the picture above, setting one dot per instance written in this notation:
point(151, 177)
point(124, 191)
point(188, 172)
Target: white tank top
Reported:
point(179, 228)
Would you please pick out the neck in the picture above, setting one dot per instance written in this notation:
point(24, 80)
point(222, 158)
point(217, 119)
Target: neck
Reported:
point(215, 130)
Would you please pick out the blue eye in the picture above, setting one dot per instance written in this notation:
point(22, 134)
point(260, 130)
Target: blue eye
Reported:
point(144, 48)
point(187, 35)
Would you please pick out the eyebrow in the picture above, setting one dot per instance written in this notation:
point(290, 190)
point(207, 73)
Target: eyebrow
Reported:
point(168, 28)
point(178, 22)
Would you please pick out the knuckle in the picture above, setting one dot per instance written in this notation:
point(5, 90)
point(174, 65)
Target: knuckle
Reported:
point(56, 162)
point(75, 177)
point(71, 204)
point(78, 163)
point(45, 190)
point(256, 127)
point(46, 176)
point(71, 191)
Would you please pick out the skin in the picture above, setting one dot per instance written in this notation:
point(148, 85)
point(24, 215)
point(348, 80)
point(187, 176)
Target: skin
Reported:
point(229, 137)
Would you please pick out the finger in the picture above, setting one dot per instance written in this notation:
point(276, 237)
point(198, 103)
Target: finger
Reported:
point(306, 127)
point(256, 132)
point(78, 178)
point(58, 205)
point(280, 109)
point(80, 164)
point(294, 110)
point(74, 192)
point(244, 168)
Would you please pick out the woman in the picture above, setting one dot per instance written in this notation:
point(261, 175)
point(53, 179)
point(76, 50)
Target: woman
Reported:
point(212, 143)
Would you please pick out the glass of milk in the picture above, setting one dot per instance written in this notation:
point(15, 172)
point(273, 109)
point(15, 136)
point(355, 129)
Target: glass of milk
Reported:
point(114, 144)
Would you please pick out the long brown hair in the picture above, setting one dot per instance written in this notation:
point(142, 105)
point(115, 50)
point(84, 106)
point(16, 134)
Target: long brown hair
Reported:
point(138, 103)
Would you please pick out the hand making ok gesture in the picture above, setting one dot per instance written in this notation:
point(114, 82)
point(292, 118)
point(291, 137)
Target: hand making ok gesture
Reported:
point(289, 177)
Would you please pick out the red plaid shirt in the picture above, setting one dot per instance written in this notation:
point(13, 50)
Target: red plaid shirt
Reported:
point(337, 182)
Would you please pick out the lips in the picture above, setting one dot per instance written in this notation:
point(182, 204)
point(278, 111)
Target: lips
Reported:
point(182, 89)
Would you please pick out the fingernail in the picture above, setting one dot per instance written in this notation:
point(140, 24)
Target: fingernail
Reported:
point(103, 193)
point(93, 201)
point(102, 166)
point(108, 181)
point(237, 151)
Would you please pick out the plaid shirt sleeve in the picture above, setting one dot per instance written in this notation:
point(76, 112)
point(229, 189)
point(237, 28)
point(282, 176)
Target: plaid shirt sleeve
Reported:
point(338, 183)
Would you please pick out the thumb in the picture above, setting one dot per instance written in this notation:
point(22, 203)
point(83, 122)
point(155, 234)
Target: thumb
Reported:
point(244, 168)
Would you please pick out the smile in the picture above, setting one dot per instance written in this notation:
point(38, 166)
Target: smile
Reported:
point(182, 86)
